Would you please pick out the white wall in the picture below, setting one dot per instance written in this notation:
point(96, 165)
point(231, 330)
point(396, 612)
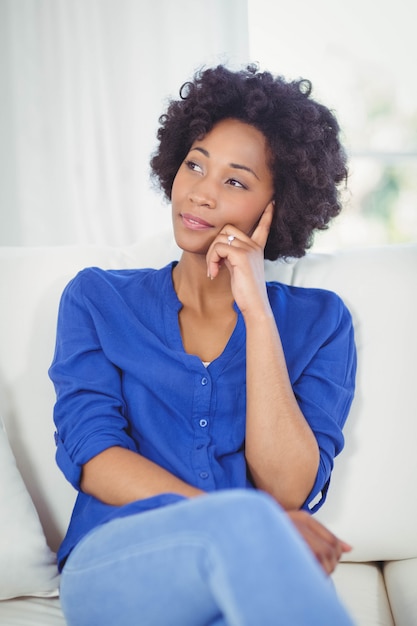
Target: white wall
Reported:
point(82, 84)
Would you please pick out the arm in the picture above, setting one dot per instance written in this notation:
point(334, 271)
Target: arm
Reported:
point(286, 452)
point(281, 451)
point(94, 447)
point(118, 476)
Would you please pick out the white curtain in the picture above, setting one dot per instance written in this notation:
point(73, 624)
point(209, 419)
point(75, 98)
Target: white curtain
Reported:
point(82, 84)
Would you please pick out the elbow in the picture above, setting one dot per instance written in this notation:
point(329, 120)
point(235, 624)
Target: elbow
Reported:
point(289, 489)
point(289, 499)
point(85, 479)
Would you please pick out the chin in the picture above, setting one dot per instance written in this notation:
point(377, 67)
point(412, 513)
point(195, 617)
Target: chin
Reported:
point(187, 244)
point(197, 242)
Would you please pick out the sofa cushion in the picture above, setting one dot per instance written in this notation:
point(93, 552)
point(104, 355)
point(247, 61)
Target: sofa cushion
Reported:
point(361, 588)
point(31, 612)
point(401, 584)
point(27, 565)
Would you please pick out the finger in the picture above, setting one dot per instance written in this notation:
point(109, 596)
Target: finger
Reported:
point(319, 546)
point(221, 248)
point(214, 261)
point(261, 232)
point(327, 553)
point(327, 548)
point(218, 252)
point(334, 547)
point(323, 551)
point(324, 532)
point(346, 547)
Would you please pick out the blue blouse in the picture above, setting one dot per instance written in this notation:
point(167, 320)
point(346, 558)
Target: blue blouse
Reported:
point(122, 378)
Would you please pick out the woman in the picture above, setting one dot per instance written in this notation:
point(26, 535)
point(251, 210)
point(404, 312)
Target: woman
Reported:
point(198, 409)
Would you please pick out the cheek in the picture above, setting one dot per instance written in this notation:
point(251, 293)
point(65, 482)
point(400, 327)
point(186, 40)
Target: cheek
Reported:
point(254, 215)
point(253, 220)
point(176, 191)
point(178, 182)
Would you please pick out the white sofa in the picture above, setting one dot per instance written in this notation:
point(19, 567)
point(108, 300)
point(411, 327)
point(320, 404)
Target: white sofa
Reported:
point(372, 502)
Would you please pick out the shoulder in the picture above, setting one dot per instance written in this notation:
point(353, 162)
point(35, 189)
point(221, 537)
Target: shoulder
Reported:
point(306, 302)
point(317, 333)
point(97, 290)
point(95, 279)
point(97, 275)
point(310, 318)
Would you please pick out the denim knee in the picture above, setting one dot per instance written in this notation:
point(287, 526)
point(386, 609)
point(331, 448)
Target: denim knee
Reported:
point(244, 514)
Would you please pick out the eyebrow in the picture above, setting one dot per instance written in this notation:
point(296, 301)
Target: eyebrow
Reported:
point(236, 166)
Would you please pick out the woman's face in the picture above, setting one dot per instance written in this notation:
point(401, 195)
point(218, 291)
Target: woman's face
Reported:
point(224, 179)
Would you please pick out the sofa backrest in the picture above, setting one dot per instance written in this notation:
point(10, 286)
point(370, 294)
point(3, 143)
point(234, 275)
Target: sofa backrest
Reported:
point(31, 283)
point(371, 502)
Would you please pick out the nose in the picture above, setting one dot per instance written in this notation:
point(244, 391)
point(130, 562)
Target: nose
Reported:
point(203, 194)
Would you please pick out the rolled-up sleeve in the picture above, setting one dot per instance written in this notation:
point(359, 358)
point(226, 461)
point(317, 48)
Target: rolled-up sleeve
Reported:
point(325, 390)
point(90, 413)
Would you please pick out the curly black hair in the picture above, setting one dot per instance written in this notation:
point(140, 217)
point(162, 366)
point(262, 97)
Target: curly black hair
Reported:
point(308, 161)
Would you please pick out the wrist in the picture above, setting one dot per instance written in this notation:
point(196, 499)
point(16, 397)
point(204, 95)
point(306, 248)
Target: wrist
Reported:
point(261, 314)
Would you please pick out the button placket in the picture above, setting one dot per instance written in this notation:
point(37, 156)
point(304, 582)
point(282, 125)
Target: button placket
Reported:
point(202, 404)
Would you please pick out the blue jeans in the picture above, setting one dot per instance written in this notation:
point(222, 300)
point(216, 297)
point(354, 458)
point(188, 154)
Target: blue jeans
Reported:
point(231, 558)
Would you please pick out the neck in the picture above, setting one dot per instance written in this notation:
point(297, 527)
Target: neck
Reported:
point(193, 287)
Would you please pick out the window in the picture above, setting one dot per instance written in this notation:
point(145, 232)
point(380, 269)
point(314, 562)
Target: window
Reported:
point(359, 57)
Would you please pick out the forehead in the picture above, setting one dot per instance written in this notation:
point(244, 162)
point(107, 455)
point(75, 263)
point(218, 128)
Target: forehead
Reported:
point(235, 138)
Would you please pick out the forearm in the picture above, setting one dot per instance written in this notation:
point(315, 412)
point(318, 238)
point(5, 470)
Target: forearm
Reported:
point(281, 449)
point(118, 476)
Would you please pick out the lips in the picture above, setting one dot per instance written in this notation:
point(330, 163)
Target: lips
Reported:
point(194, 223)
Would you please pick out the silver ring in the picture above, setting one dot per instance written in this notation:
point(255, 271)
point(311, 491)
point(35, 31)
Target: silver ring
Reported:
point(230, 238)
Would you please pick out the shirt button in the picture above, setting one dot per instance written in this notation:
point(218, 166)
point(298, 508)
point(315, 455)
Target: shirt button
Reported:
point(203, 423)
point(199, 446)
point(204, 475)
point(204, 381)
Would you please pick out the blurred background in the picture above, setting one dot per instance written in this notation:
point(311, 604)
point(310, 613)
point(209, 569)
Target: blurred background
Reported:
point(83, 82)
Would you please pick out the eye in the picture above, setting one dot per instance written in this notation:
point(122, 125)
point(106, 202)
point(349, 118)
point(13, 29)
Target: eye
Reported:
point(193, 166)
point(235, 183)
